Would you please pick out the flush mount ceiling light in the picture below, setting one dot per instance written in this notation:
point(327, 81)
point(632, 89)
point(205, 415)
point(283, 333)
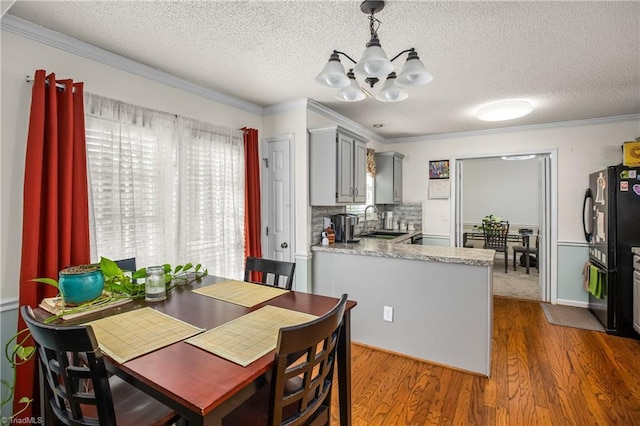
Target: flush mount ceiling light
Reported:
point(504, 110)
point(374, 65)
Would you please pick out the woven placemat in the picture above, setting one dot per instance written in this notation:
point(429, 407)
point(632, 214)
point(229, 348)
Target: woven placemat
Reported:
point(240, 292)
point(251, 336)
point(131, 334)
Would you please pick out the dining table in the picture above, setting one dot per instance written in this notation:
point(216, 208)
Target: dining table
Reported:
point(203, 387)
point(523, 237)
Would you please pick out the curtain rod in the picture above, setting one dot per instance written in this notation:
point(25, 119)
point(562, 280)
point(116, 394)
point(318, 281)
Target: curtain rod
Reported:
point(46, 81)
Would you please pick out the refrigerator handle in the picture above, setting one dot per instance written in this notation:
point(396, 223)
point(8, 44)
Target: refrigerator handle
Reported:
point(587, 234)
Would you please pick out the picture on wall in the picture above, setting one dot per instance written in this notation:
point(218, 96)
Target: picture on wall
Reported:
point(439, 169)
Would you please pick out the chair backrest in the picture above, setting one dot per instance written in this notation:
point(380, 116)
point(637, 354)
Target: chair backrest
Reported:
point(269, 272)
point(495, 237)
point(303, 371)
point(77, 391)
point(127, 264)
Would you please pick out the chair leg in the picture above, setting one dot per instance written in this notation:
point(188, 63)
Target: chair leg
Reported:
point(514, 259)
point(506, 260)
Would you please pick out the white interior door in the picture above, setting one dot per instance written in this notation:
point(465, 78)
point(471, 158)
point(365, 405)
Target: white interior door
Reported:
point(278, 200)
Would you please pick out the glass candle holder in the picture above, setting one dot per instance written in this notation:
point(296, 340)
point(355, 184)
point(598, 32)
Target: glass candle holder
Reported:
point(155, 289)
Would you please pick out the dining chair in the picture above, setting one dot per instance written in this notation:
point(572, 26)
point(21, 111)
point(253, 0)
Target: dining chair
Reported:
point(302, 376)
point(127, 264)
point(523, 249)
point(495, 238)
point(269, 272)
point(81, 393)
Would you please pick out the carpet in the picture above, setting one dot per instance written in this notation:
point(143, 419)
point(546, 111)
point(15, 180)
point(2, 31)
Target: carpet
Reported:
point(570, 316)
point(516, 284)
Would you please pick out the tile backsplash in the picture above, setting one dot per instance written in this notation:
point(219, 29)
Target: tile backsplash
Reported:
point(409, 212)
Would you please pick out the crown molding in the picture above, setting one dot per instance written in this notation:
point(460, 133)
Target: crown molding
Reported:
point(284, 107)
point(72, 45)
point(343, 121)
point(554, 125)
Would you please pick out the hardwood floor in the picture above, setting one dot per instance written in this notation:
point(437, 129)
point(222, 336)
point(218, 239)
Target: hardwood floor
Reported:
point(541, 374)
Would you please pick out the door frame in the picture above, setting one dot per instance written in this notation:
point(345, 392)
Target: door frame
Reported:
point(549, 242)
point(264, 199)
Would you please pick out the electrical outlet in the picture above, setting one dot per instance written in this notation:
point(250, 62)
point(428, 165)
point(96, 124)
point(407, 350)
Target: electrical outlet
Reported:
point(388, 314)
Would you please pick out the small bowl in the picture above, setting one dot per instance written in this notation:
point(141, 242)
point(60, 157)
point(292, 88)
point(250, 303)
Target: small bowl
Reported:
point(80, 287)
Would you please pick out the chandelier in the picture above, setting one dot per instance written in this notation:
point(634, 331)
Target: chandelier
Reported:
point(374, 65)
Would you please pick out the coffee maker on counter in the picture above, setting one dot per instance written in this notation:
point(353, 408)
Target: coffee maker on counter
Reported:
point(345, 225)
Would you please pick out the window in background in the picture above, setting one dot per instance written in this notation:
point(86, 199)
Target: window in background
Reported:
point(359, 208)
point(163, 189)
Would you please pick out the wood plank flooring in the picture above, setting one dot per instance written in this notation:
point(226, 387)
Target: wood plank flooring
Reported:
point(541, 374)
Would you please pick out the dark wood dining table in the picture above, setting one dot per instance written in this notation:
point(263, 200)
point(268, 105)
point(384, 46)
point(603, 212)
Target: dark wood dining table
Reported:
point(203, 387)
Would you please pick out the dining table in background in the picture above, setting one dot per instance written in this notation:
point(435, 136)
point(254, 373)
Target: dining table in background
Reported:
point(203, 387)
point(522, 237)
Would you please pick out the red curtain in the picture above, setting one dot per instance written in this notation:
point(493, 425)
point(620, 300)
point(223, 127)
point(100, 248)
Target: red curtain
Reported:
point(55, 221)
point(252, 227)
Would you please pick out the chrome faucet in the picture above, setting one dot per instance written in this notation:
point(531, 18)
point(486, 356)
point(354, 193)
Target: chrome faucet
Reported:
point(366, 224)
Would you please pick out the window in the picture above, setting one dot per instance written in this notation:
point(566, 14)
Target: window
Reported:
point(164, 189)
point(359, 208)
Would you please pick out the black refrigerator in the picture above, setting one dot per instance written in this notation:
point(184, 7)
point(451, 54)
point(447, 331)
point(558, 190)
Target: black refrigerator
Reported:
point(611, 220)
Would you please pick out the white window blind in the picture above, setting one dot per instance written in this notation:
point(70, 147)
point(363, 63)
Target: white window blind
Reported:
point(164, 189)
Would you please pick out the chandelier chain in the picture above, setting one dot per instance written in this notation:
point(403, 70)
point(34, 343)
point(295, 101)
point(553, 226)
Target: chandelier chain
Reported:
point(374, 24)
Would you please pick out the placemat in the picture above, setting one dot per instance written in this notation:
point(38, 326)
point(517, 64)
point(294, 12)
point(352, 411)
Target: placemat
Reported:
point(131, 334)
point(240, 292)
point(251, 336)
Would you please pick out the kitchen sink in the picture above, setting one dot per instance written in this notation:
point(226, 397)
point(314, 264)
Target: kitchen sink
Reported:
point(382, 235)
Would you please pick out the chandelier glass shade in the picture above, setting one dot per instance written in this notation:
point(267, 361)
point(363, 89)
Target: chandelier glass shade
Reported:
point(390, 91)
point(373, 66)
point(333, 74)
point(374, 61)
point(352, 92)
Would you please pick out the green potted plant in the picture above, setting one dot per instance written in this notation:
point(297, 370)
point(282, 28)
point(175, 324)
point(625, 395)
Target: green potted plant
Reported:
point(113, 284)
point(491, 222)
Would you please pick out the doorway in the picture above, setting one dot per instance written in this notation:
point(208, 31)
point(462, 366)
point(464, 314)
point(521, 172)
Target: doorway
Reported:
point(527, 200)
point(277, 201)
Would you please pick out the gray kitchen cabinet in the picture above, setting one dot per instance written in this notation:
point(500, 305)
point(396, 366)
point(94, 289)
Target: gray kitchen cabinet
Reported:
point(337, 167)
point(388, 177)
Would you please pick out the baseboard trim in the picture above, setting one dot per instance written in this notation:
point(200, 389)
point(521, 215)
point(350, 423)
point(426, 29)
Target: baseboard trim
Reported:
point(574, 303)
point(414, 358)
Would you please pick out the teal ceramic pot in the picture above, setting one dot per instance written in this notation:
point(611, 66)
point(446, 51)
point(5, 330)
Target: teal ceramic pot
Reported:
point(80, 284)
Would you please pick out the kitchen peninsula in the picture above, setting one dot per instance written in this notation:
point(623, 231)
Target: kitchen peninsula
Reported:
point(441, 298)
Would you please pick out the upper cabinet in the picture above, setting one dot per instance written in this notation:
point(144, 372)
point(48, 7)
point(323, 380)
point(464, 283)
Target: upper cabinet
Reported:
point(388, 177)
point(337, 167)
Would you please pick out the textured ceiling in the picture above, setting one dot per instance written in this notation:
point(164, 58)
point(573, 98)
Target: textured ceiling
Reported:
point(571, 60)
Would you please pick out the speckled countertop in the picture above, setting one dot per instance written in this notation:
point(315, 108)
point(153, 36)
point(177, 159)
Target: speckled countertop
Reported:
point(635, 250)
point(374, 247)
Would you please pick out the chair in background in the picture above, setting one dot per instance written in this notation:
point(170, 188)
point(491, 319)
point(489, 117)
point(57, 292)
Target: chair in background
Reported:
point(495, 238)
point(127, 264)
point(466, 244)
point(270, 272)
point(82, 394)
point(302, 376)
point(523, 249)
